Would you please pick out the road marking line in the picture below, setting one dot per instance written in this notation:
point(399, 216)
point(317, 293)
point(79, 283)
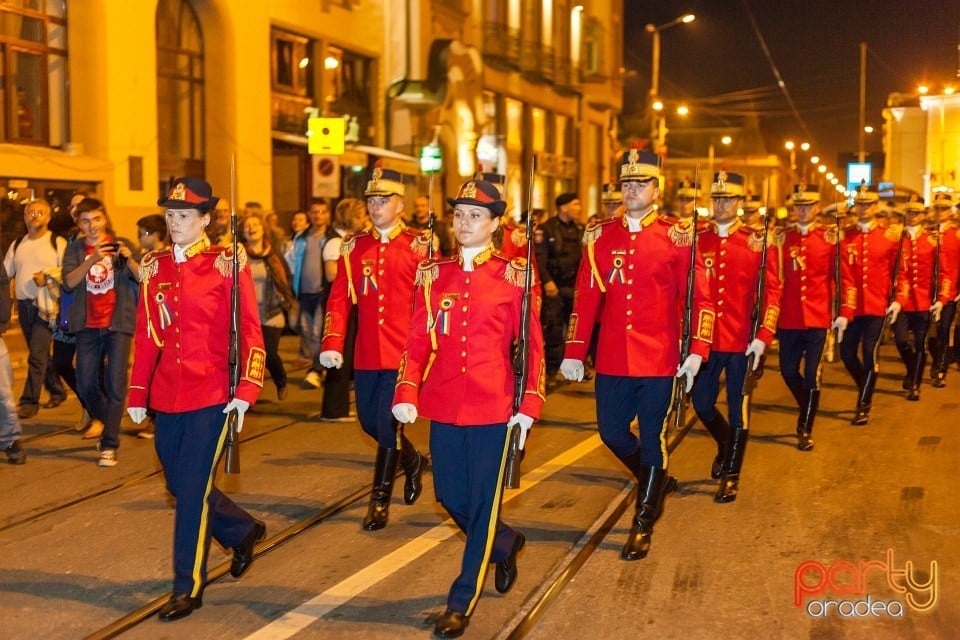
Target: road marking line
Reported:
point(309, 612)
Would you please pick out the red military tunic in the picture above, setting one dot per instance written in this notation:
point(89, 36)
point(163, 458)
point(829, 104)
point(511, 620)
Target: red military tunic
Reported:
point(457, 366)
point(732, 265)
point(950, 257)
point(807, 268)
point(866, 269)
point(182, 339)
point(915, 279)
point(514, 243)
point(378, 278)
point(633, 282)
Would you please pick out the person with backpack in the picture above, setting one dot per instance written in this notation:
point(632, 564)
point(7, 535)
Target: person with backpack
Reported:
point(25, 262)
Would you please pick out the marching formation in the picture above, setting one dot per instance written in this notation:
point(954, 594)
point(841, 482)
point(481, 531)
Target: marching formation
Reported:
point(659, 307)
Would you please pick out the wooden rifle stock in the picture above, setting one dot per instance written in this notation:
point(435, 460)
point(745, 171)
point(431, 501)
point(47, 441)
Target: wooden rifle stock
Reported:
point(752, 376)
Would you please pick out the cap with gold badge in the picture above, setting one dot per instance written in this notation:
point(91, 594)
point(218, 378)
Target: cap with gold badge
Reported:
point(727, 184)
point(385, 182)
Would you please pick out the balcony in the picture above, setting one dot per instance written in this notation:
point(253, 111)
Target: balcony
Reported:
point(501, 46)
point(537, 62)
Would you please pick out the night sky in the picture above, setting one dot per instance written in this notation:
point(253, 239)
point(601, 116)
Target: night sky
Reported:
point(815, 46)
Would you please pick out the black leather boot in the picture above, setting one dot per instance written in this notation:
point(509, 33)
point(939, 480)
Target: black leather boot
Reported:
point(916, 375)
point(651, 489)
point(730, 481)
point(805, 424)
point(719, 428)
point(865, 399)
point(383, 475)
point(413, 464)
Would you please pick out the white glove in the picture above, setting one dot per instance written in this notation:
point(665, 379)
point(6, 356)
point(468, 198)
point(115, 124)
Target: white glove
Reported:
point(241, 407)
point(757, 347)
point(526, 421)
point(572, 369)
point(330, 359)
point(840, 324)
point(404, 412)
point(137, 414)
point(935, 309)
point(893, 311)
point(688, 370)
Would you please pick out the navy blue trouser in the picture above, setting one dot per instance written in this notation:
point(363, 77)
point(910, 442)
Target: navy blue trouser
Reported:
point(706, 388)
point(797, 345)
point(863, 331)
point(620, 399)
point(374, 392)
point(189, 445)
point(468, 465)
point(908, 331)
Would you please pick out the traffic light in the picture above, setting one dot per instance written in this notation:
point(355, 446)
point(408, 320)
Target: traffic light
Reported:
point(431, 158)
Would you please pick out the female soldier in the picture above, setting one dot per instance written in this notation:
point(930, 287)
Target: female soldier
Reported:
point(180, 370)
point(457, 370)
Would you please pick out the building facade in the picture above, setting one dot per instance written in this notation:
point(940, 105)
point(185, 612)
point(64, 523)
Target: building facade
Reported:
point(119, 96)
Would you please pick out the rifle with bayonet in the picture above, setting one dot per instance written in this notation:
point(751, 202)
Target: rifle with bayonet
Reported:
point(678, 404)
point(917, 373)
point(521, 353)
point(754, 374)
point(232, 443)
point(891, 294)
point(433, 217)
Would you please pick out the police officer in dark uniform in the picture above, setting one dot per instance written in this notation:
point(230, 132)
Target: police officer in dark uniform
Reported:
point(558, 252)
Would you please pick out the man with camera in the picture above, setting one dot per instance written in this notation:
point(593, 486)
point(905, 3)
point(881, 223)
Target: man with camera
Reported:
point(102, 274)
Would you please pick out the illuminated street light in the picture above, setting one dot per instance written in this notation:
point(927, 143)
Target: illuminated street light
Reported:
point(655, 127)
point(830, 175)
point(789, 146)
point(822, 168)
point(805, 146)
point(657, 105)
point(683, 110)
point(948, 90)
point(923, 89)
point(814, 159)
point(868, 129)
point(725, 141)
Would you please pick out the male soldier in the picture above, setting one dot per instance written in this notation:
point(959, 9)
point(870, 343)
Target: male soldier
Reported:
point(632, 279)
point(941, 354)
point(869, 253)
point(687, 195)
point(920, 298)
point(611, 201)
point(731, 253)
point(807, 269)
point(442, 237)
point(752, 214)
point(558, 257)
point(376, 272)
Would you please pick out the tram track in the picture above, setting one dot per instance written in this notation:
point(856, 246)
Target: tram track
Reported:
point(128, 482)
point(532, 610)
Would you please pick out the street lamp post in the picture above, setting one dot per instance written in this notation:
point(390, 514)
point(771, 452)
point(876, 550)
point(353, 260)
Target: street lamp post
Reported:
point(655, 71)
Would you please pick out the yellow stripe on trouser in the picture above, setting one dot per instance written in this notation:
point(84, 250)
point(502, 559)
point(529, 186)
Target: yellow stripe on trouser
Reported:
point(199, 558)
point(666, 421)
point(491, 528)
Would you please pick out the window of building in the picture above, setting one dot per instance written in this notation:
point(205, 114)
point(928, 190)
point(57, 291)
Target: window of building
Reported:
point(180, 89)
point(33, 72)
point(292, 70)
point(348, 89)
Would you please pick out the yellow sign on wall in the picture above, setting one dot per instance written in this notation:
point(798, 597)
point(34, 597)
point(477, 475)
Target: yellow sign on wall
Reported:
point(325, 136)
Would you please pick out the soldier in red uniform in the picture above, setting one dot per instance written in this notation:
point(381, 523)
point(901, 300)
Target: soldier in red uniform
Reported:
point(731, 253)
point(806, 260)
point(457, 370)
point(180, 370)
point(868, 254)
point(633, 278)
point(376, 273)
point(941, 352)
point(611, 202)
point(915, 293)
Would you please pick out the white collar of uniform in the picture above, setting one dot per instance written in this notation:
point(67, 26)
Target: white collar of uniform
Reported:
point(469, 254)
point(866, 226)
point(913, 231)
point(633, 224)
point(804, 229)
point(723, 230)
point(386, 235)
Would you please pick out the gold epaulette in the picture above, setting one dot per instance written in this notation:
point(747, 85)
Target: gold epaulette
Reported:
point(831, 235)
point(779, 237)
point(348, 243)
point(427, 272)
point(680, 232)
point(224, 262)
point(516, 272)
point(421, 241)
point(755, 242)
point(149, 266)
point(518, 236)
point(893, 232)
point(933, 238)
point(592, 233)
